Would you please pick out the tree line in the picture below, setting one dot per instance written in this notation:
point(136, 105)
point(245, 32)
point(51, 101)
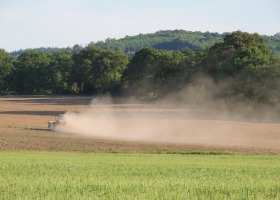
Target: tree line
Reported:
point(242, 63)
point(176, 40)
point(165, 40)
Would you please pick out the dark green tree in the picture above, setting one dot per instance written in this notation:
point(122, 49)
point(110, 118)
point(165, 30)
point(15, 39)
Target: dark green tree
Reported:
point(81, 74)
point(59, 70)
point(259, 85)
point(31, 74)
point(171, 71)
point(108, 70)
point(139, 75)
point(97, 70)
point(153, 73)
point(77, 48)
point(238, 51)
point(6, 69)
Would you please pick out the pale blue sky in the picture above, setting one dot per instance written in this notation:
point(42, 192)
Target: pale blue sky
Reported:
point(62, 23)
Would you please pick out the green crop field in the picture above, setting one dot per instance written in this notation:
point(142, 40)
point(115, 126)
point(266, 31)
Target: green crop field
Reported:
point(47, 175)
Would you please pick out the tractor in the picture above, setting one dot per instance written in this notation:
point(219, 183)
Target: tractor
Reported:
point(59, 120)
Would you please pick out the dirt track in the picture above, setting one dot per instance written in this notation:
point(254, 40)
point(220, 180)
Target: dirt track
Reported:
point(24, 127)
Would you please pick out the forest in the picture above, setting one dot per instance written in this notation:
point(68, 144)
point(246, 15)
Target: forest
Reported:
point(165, 40)
point(241, 65)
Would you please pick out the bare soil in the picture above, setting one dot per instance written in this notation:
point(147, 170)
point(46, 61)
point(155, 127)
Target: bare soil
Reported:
point(23, 126)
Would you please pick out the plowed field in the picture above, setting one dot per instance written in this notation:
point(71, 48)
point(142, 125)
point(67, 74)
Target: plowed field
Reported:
point(23, 126)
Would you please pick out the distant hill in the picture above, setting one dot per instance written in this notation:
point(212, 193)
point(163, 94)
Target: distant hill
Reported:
point(41, 49)
point(167, 40)
point(273, 43)
point(75, 48)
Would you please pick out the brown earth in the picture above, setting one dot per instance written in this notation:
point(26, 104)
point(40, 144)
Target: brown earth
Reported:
point(23, 126)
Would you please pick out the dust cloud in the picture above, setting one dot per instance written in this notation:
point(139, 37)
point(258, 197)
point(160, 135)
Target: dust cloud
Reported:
point(191, 116)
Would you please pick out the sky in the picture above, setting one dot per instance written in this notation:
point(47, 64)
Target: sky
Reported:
point(64, 23)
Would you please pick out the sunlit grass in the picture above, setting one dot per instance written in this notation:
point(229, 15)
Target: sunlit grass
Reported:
point(34, 175)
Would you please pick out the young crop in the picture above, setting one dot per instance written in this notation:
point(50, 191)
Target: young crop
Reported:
point(138, 176)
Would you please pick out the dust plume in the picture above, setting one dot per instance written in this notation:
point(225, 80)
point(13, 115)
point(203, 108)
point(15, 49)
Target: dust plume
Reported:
point(191, 116)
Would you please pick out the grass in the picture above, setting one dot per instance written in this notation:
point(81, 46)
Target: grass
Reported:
point(35, 175)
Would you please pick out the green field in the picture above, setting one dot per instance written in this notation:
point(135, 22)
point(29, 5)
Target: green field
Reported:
point(45, 175)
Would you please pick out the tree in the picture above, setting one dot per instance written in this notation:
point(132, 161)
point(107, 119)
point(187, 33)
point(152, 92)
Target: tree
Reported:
point(81, 73)
point(171, 72)
point(31, 74)
point(260, 85)
point(249, 57)
point(240, 39)
point(77, 48)
point(153, 73)
point(6, 69)
point(238, 51)
point(139, 75)
point(59, 70)
point(108, 70)
point(97, 70)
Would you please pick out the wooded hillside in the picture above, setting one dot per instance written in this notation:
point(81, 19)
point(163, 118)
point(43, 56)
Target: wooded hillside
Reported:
point(165, 40)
